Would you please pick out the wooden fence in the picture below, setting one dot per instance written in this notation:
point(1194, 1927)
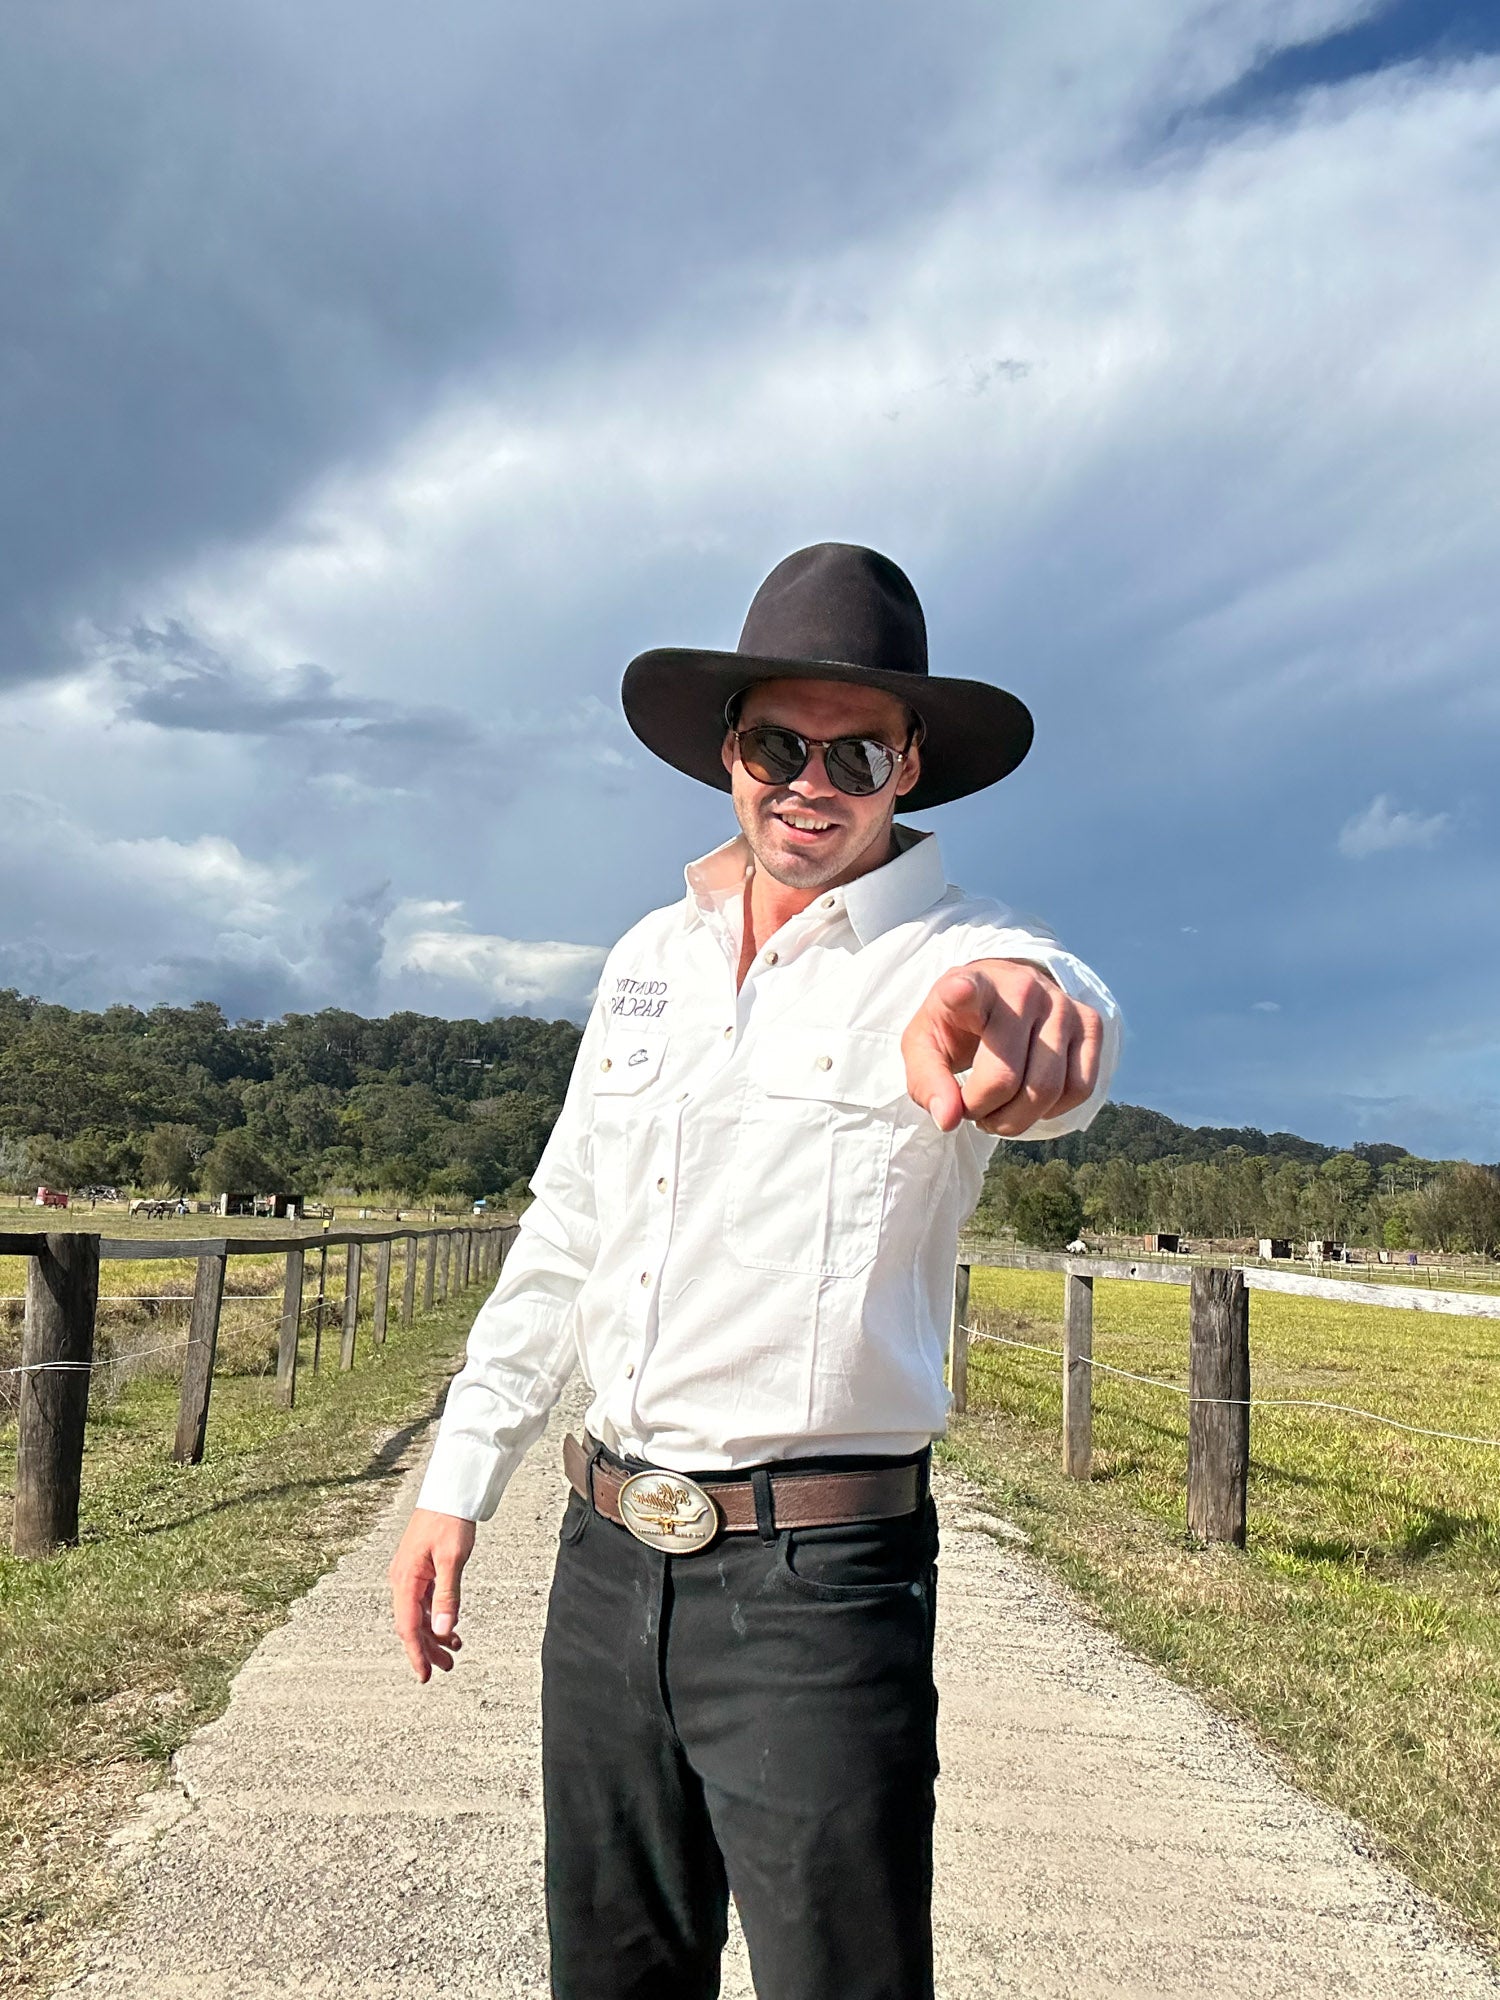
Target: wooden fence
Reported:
point(62, 1298)
point(1218, 1389)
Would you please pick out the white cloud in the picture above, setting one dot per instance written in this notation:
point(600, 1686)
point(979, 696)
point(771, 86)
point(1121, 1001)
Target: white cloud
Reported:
point(430, 940)
point(1380, 827)
point(209, 872)
point(1265, 1006)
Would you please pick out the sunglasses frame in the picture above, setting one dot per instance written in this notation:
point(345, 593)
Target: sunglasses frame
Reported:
point(825, 744)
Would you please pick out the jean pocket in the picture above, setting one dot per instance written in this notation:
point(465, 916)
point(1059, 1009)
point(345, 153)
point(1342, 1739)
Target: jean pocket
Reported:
point(575, 1519)
point(874, 1563)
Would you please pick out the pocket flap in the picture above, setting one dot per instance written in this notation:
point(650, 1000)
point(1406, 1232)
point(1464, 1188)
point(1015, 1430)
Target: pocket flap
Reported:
point(832, 1065)
point(628, 1060)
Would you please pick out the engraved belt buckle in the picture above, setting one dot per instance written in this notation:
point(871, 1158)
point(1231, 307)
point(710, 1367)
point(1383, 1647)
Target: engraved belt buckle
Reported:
point(668, 1512)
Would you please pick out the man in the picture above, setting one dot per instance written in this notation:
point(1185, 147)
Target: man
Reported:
point(744, 1234)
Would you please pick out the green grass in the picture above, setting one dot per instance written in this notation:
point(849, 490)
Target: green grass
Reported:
point(113, 1652)
point(1359, 1632)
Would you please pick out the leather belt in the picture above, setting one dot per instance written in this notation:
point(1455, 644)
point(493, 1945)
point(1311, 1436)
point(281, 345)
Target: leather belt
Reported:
point(821, 1499)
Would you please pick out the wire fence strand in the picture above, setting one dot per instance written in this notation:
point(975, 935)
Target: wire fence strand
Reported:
point(1239, 1402)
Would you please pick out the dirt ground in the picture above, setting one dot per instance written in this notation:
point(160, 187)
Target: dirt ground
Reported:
point(343, 1832)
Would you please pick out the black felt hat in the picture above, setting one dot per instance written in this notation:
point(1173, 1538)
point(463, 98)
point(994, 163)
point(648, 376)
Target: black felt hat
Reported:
point(833, 612)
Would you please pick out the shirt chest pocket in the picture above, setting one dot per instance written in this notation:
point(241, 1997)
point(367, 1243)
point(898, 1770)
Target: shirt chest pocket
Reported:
point(812, 1150)
point(629, 1063)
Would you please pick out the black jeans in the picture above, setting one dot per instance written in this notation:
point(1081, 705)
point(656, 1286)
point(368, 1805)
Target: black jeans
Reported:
point(761, 1718)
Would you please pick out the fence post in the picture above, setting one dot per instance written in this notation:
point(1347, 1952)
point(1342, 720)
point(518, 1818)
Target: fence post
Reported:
point(353, 1266)
point(445, 1264)
point(1219, 1423)
point(291, 1329)
point(62, 1296)
point(466, 1256)
point(1078, 1376)
point(409, 1281)
point(958, 1341)
point(198, 1367)
point(322, 1302)
point(382, 1291)
point(429, 1275)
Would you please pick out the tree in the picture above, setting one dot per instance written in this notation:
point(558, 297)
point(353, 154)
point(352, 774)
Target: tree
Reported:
point(234, 1166)
point(1044, 1207)
point(170, 1156)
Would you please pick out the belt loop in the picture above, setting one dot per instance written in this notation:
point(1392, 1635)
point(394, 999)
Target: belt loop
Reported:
point(588, 1472)
point(765, 1505)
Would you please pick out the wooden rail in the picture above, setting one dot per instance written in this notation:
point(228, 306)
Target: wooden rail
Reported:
point(1219, 1400)
point(57, 1349)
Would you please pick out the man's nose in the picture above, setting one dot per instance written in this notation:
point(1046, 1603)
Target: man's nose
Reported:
point(813, 781)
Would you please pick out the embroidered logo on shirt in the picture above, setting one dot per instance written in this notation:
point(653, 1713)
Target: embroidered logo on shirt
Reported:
point(639, 999)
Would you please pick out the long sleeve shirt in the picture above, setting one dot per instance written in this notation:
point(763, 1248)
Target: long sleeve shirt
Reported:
point(744, 1230)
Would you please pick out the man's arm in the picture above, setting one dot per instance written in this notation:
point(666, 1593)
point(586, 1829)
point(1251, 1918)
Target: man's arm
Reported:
point(521, 1351)
point(1038, 1034)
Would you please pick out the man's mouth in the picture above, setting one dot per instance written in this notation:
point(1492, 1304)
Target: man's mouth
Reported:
point(805, 829)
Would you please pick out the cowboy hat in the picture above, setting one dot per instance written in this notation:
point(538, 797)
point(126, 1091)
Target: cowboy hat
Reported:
point(833, 612)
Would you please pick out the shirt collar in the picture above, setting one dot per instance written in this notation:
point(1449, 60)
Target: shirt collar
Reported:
point(906, 885)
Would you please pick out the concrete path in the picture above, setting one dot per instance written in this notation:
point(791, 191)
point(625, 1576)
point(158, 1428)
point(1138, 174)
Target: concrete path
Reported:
point(342, 1832)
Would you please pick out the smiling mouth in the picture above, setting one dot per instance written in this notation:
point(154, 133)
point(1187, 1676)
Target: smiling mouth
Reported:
point(804, 825)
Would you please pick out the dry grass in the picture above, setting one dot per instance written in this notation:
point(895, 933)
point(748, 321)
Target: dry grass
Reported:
point(112, 1653)
point(1359, 1633)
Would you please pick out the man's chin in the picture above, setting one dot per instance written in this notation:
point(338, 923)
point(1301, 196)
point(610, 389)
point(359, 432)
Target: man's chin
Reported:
point(800, 871)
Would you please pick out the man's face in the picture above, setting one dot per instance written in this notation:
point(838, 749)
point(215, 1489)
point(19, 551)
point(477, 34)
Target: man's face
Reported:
point(807, 834)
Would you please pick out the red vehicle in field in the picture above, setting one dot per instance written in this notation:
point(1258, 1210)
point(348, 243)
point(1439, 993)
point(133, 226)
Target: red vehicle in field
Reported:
point(50, 1198)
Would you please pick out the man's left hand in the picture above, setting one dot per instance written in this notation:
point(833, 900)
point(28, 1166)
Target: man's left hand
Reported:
point(1030, 1051)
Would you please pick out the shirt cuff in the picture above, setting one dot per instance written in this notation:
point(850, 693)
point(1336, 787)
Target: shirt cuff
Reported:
point(466, 1478)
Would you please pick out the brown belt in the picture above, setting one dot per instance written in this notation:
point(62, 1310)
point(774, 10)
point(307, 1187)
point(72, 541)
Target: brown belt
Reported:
point(797, 1499)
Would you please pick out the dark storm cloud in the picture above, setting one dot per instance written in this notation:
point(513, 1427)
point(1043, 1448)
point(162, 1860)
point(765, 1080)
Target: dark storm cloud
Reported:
point(174, 680)
point(243, 243)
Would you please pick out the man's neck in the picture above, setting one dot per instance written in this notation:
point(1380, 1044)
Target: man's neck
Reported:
point(769, 904)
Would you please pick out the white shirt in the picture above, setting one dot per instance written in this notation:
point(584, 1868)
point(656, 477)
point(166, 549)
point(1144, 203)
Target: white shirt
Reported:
point(744, 1230)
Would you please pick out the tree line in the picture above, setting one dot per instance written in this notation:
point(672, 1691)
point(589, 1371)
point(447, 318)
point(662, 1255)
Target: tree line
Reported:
point(1136, 1170)
point(178, 1099)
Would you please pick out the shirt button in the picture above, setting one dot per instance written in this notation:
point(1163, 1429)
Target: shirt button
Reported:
point(606, 1064)
point(682, 1097)
point(645, 1277)
point(729, 1034)
point(629, 1370)
point(661, 1185)
point(825, 1062)
point(771, 957)
point(830, 902)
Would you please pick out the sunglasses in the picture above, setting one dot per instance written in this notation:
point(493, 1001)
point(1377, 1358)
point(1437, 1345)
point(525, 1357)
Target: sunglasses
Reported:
point(856, 765)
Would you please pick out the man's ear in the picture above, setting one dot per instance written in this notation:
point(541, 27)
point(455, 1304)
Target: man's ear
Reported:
point(911, 770)
point(728, 752)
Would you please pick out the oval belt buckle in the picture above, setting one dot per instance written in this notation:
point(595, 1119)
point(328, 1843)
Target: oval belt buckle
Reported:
point(668, 1512)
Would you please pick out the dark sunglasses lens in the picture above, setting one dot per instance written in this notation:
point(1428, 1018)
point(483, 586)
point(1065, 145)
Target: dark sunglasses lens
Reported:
point(858, 765)
point(772, 756)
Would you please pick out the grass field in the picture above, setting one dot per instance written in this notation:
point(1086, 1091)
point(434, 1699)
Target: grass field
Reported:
point(113, 1652)
point(1359, 1633)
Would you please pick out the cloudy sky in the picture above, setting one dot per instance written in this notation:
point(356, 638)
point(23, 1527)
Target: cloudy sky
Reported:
point(378, 379)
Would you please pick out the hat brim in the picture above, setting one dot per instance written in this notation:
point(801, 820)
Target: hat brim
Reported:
point(973, 734)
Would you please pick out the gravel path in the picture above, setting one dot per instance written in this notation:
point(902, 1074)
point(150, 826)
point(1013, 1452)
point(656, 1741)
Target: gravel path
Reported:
point(342, 1832)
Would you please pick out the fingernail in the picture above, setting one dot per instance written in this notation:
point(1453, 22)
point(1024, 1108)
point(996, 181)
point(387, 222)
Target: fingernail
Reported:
point(933, 1111)
point(442, 1625)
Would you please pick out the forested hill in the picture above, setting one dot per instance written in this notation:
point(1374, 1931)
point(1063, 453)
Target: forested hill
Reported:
point(1130, 1132)
point(179, 1097)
